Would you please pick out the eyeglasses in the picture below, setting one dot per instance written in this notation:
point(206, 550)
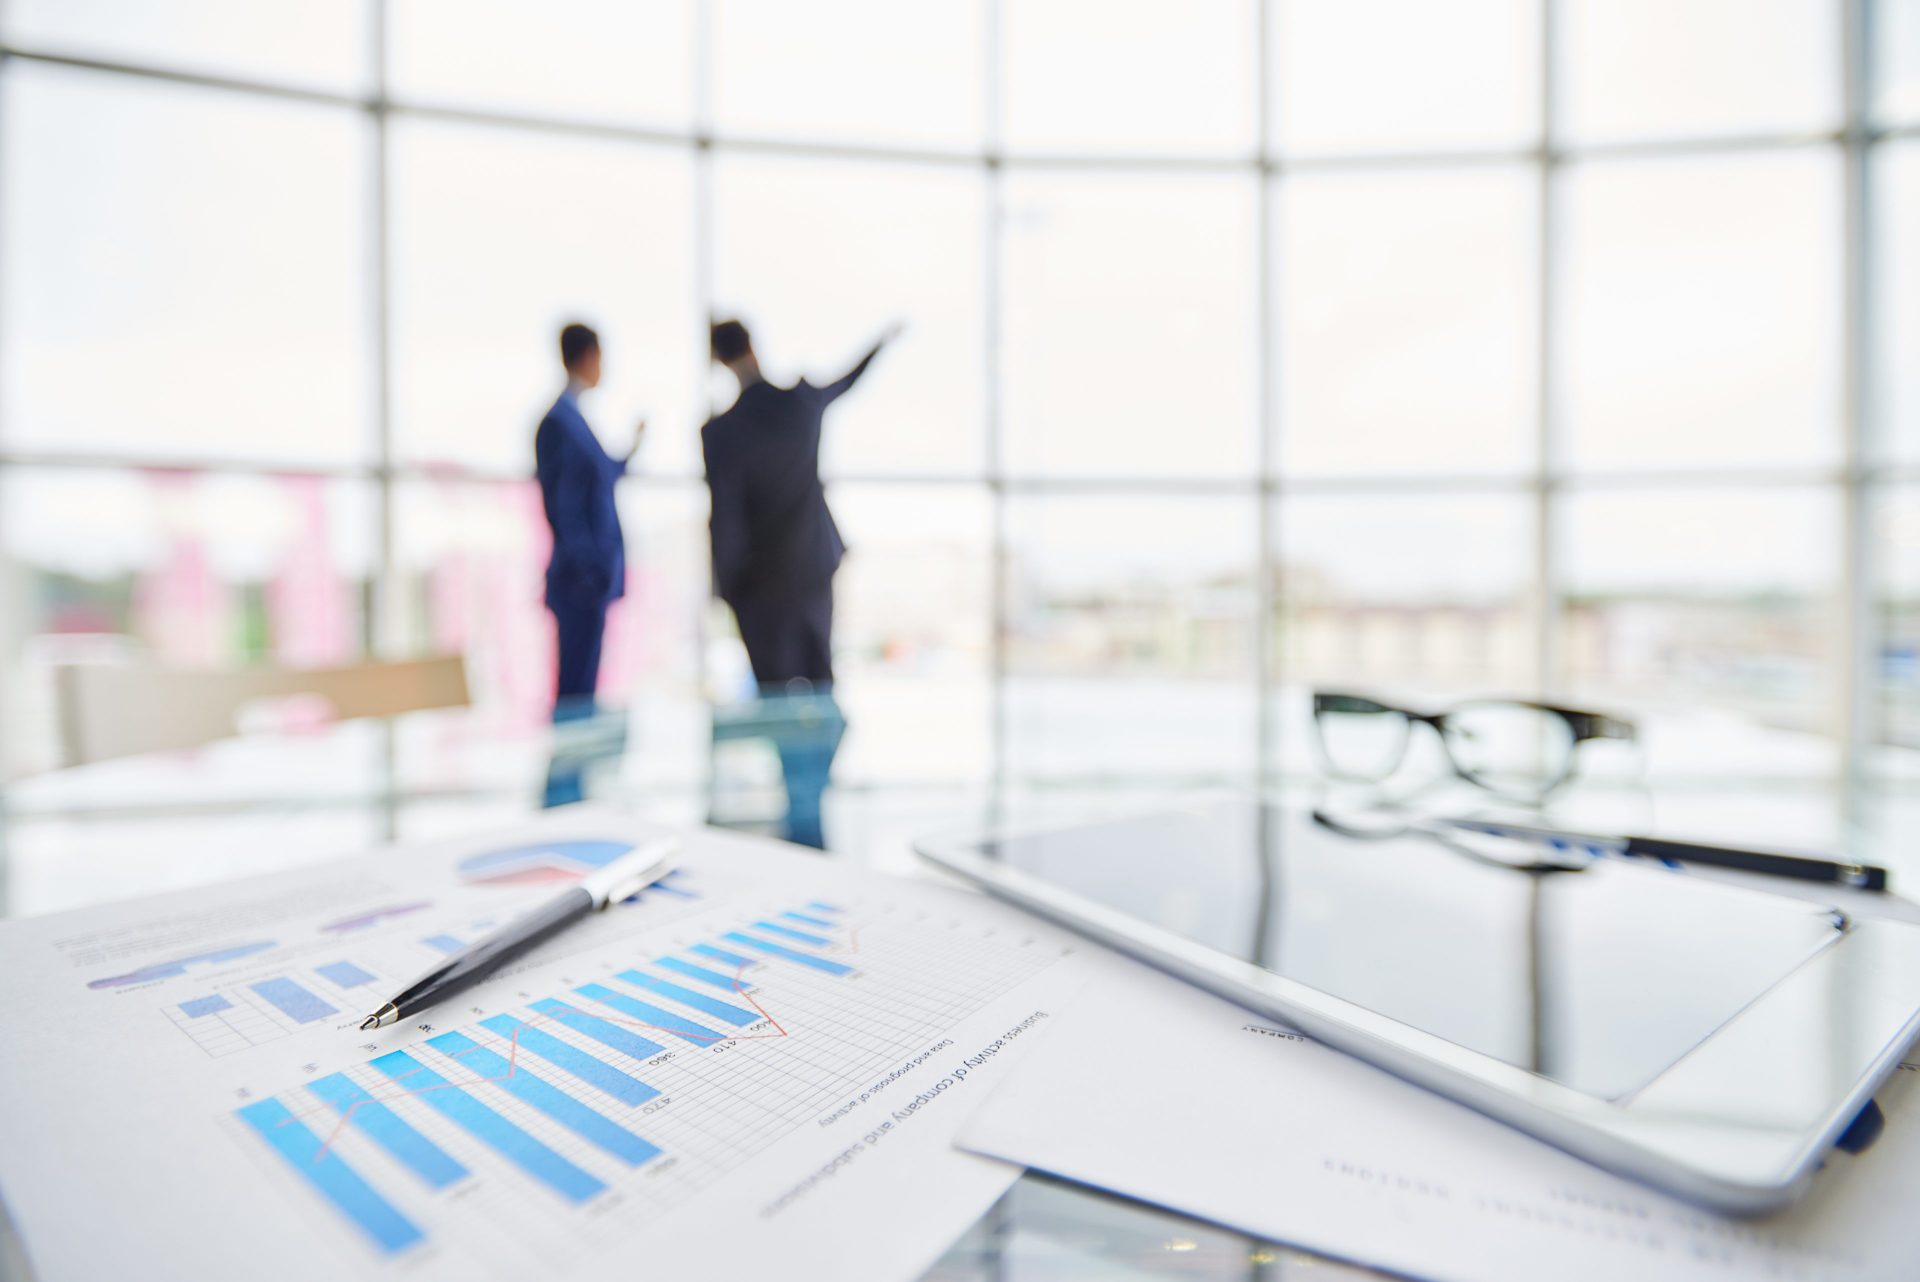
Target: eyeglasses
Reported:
point(1511, 747)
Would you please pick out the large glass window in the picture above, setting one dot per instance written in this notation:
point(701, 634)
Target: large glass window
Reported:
point(469, 559)
point(324, 44)
point(500, 237)
point(1896, 399)
point(1486, 376)
point(1896, 764)
point(187, 273)
point(194, 568)
point(1404, 75)
point(862, 71)
point(818, 257)
point(1129, 77)
point(1129, 325)
point(597, 59)
point(1699, 602)
point(1700, 315)
point(1896, 60)
point(1643, 69)
point(1427, 596)
point(1899, 533)
point(1130, 636)
point(178, 569)
point(1408, 315)
point(913, 632)
point(654, 658)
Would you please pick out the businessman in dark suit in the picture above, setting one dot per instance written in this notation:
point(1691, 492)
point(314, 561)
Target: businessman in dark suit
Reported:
point(775, 550)
point(587, 572)
point(775, 546)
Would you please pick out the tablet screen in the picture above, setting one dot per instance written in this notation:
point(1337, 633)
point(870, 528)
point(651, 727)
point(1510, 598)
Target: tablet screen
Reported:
point(1599, 978)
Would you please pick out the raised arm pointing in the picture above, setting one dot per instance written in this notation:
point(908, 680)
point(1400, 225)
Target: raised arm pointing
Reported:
point(840, 385)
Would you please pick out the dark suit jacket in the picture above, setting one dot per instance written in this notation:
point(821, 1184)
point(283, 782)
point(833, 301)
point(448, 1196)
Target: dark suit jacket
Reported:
point(772, 532)
point(577, 476)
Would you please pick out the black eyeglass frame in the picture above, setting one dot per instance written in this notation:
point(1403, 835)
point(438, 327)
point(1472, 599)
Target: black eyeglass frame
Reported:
point(1584, 726)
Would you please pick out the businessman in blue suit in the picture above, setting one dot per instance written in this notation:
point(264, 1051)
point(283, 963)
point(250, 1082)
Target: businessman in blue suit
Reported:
point(588, 570)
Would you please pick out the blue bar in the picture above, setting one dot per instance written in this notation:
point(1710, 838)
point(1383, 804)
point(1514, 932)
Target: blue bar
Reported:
point(198, 1006)
point(818, 963)
point(339, 1183)
point(805, 920)
point(543, 1096)
point(713, 1006)
point(445, 943)
point(698, 1034)
point(295, 1002)
point(344, 973)
point(487, 1126)
point(722, 955)
point(825, 908)
point(386, 1128)
point(725, 983)
point(571, 1059)
point(787, 932)
point(627, 1043)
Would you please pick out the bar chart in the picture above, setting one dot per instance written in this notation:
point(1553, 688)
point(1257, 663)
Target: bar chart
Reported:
point(325, 985)
point(629, 1092)
point(254, 1012)
point(385, 947)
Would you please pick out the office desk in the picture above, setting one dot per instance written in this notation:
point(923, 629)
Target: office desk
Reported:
point(275, 800)
point(271, 801)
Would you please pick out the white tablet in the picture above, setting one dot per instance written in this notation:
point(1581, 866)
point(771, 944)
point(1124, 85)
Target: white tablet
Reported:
point(1711, 1040)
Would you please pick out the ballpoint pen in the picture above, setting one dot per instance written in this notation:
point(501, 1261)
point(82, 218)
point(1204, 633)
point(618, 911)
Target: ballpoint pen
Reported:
point(631, 872)
point(1550, 849)
point(1662, 849)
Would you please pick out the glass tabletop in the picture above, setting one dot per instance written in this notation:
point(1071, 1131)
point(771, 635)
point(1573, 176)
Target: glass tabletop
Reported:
point(285, 795)
point(1046, 1230)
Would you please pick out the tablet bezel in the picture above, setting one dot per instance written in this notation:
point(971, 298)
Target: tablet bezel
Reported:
point(1733, 1126)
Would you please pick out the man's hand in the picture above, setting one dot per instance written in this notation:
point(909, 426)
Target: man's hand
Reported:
point(892, 332)
point(639, 435)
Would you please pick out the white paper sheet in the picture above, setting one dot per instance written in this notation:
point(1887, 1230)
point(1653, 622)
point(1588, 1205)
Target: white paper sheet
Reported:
point(1158, 1091)
point(185, 1093)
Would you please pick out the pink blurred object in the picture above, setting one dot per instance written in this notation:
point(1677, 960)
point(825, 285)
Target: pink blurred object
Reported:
point(309, 602)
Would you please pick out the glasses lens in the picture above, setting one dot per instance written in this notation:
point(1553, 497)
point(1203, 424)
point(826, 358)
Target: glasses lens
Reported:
point(1360, 739)
point(1509, 747)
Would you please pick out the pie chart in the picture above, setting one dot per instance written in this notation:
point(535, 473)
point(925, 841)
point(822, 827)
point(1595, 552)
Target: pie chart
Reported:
point(545, 862)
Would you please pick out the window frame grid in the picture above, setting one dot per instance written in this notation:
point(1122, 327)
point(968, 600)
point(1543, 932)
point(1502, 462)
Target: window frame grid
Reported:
point(1857, 478)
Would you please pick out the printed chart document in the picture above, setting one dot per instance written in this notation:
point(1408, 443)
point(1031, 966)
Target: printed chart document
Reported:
point(1234, 1119)
point(756, 1068)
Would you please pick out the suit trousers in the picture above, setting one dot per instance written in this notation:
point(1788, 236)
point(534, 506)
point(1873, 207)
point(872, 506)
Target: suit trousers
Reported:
point(580, 627)
point(788, 635)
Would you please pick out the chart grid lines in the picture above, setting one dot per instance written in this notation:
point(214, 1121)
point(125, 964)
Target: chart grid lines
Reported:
point(593, 1089)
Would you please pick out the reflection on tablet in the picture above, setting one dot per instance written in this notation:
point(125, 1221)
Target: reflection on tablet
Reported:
point(1599, 979)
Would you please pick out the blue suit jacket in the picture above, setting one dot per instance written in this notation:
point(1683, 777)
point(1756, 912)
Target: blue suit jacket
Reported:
point(577, 476)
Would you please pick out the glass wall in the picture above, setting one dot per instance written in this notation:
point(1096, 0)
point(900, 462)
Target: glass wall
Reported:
point(1551, 347)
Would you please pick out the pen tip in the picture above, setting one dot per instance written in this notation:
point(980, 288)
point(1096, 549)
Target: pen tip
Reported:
point(371, 1021)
